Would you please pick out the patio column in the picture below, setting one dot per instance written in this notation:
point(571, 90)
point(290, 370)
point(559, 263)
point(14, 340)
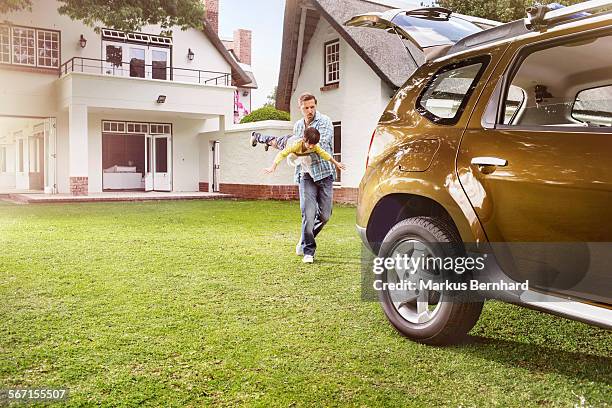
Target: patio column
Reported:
point(78, 154)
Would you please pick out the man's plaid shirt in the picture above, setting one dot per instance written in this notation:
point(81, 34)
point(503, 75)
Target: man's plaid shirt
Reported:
point(319, 168)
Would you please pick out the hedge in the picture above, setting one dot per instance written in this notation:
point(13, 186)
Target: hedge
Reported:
point(265, 113)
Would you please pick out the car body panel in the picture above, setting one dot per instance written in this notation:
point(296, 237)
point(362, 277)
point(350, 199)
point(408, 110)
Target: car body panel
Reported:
point(556, 188)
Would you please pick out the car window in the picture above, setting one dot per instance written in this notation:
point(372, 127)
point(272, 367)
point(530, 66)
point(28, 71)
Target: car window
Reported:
point(449, 90)
point(559, 86)
point(594, 106)
point(514, 103)
point(429, 32)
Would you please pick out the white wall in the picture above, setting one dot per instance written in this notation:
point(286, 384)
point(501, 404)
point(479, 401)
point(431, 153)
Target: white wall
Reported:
point(357, 103)
point(240, 162)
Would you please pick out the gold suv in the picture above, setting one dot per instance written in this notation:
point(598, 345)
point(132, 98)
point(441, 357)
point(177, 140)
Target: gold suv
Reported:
point(499, 149)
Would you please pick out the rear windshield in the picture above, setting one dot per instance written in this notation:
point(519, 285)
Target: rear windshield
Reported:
point(430, 32)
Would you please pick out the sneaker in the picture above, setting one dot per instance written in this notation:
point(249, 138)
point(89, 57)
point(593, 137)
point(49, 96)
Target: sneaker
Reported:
point(254, 139)
point(299, 250)
point(308, 259)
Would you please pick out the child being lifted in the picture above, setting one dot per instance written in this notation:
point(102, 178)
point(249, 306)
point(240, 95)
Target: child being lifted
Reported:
point(304, 147)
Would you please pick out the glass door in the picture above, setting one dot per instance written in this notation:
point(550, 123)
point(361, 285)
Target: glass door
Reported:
point(49, 156)
point(113, 55)
point(216, 166)
point(137, 55)
point(160, 66)
point(148, 163)
point(162, 163)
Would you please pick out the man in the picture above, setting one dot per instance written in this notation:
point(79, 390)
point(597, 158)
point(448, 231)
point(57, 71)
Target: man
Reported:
point(316, 181)
point(314, 175)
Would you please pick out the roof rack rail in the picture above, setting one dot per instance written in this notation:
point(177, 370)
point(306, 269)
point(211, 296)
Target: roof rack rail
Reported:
point(541, 17)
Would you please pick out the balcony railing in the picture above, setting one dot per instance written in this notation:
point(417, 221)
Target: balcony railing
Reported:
point(136, 69)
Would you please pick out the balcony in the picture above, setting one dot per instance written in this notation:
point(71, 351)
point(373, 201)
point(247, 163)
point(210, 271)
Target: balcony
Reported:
point(99, 84)
point(137, 69)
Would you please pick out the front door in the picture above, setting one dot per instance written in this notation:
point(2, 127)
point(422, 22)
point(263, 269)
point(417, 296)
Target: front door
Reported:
point(158, 163)
point(540, 178)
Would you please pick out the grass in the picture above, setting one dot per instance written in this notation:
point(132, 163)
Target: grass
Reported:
point(204, 303)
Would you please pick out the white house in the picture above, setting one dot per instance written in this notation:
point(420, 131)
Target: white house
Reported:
point(84, 112)
point(352, 71)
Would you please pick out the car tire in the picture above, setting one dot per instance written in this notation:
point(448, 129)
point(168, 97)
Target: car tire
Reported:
point(449, 321)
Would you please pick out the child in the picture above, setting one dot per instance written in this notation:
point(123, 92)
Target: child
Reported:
point(308, 144)
point(278, 142)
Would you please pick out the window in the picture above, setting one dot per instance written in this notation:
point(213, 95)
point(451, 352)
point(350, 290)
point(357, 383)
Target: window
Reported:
point(514, 103)
point(114, 55)
point(561, 83)
point(338, 147)
point(24, 46)
point(112, 126)
point(159, 59)
point(133, 127)
point(20, 158)
point(160, 129)
point(35, 152)
point(161, 156)
point(332, 62)
point(594, 106)
point(137, 62)
point(3, 159)
point(48, 48)
point(448, 92)
point(29, 46)
point(5, 45)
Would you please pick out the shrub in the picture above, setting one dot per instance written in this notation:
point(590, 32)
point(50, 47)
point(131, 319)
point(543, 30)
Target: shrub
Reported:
point(265, 113)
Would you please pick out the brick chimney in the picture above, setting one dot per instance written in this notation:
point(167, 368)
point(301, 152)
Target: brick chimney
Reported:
point(212, 14)
point(242, 45)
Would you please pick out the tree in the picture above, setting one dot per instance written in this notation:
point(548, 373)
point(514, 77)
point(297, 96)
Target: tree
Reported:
point(125, 15)
point(271, 99)
point(498, 10)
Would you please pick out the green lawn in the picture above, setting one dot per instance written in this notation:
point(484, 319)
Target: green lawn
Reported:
point(204, 303)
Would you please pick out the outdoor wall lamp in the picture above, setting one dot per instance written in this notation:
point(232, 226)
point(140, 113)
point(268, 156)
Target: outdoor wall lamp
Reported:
point(190, 55)
point(82, 41)
point(161, 99)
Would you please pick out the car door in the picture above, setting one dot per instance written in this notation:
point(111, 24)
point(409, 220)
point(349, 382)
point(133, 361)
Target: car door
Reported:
point(538, 171)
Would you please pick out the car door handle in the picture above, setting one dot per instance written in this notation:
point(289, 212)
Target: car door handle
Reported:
point(489, 161)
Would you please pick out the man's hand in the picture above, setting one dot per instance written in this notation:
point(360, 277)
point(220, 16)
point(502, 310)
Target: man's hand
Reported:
point(269, 170)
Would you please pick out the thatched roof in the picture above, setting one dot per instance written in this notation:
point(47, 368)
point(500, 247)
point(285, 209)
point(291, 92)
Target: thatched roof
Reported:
point(383, 52)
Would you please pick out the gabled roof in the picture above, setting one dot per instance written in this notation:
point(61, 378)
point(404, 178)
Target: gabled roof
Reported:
point(239, 76)
point(385, 54)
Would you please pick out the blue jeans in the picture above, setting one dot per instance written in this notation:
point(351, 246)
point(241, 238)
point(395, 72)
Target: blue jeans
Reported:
point(316, 206)
point(281, 141)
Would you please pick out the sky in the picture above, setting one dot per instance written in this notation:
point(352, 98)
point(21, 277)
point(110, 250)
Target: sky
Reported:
point(265, 19)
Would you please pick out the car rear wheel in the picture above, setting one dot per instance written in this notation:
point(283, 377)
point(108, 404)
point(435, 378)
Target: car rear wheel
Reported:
point(430, 316)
